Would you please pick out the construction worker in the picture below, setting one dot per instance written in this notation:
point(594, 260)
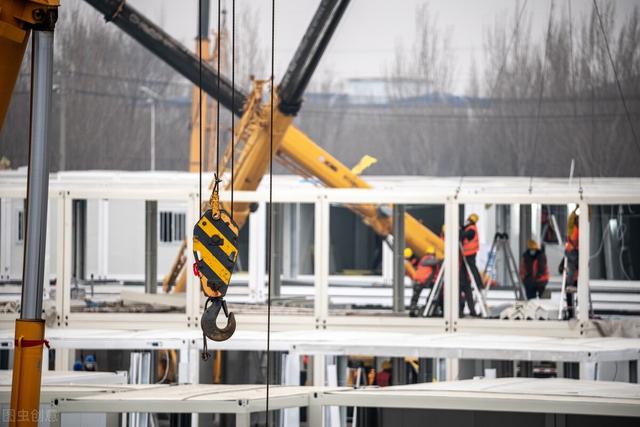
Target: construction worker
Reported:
point(571, 252)
point(426, 271)
point(384, 377)
point(470, 242)
point(534, 271)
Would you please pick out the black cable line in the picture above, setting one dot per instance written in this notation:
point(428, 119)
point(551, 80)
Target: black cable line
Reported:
point(218, 42)
point(572, 72)
point(200, 114)
point(572, 67)
point(233, 94)
point(543, 70)
point(516, 30)
point(615, 75)
point(270, 219)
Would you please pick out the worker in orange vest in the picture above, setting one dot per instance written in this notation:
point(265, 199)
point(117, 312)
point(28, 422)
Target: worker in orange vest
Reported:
point(426, 271)
point(571, 252)
point(470, 246)
point(534, 271)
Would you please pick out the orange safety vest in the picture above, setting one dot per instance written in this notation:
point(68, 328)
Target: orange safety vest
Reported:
point(530, 269)
point(424, 270)
point(573, 239)
point(471, 247)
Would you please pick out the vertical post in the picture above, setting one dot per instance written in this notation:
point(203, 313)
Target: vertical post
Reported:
point(583, 265)
point(525, 228)
point(257, 253)
point(79, 238)
point(399, 376)
point(291, 240)
point(633, 371)
point(502, 226)
point(319, 370)
point(425, 370)
point(151, 246)
point(276, 249)
point(398, 258)
point(321, 262)
point(62, 148)
point(451, 272)
point(153, 134)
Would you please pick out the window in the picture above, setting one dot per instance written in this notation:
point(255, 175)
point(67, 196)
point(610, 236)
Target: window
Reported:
point(172, 226)
point(178, 226)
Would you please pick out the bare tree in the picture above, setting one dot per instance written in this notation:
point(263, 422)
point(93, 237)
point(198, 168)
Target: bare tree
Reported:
point(101, 115)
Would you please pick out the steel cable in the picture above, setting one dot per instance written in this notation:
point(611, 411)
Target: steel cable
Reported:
point(270, 212)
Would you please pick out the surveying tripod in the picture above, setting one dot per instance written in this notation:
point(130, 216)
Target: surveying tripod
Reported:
point(428, 310)
point(501, 242)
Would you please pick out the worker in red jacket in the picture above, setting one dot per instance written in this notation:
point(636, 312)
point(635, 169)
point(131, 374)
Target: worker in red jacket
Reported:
point(534, 271)
point(426, 271)
point(470, 242)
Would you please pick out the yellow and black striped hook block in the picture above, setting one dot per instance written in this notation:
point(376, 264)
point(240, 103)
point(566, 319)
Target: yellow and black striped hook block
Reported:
point(215, 249)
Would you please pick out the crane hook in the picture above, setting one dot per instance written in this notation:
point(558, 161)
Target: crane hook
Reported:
point(209, 317)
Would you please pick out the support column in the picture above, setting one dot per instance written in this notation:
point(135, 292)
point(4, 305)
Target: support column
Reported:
point(633, 371)
point(79, 241)
point(398, 258)
point(525, 228)
point(399, 376)
point(321, 263)
point(151, 246)
point(257, 253)
point(584, 300)
point(425, 370)
point(276, 249)
point(319, 370)
point(451, 272)
point(502, 226)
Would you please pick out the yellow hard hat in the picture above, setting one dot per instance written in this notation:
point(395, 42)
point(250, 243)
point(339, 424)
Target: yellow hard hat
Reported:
point(386, 364)
point(408, 253)
point(431, 249)
point(473, 218)
point(533, 245)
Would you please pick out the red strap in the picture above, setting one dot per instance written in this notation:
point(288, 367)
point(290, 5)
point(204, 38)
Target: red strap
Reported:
point(196, 272)
point(31, 343)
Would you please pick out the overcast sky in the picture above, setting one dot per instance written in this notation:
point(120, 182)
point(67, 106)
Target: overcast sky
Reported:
point(365, 41)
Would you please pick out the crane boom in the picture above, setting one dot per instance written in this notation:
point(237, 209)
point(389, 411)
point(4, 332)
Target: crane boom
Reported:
point(296, 146)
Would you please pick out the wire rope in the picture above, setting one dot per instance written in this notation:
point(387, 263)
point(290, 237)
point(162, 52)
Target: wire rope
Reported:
point(270, 213)
point(233, 96)
point(200, 110)
point(543, 69)
point(615, 75)
point(218, 56)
